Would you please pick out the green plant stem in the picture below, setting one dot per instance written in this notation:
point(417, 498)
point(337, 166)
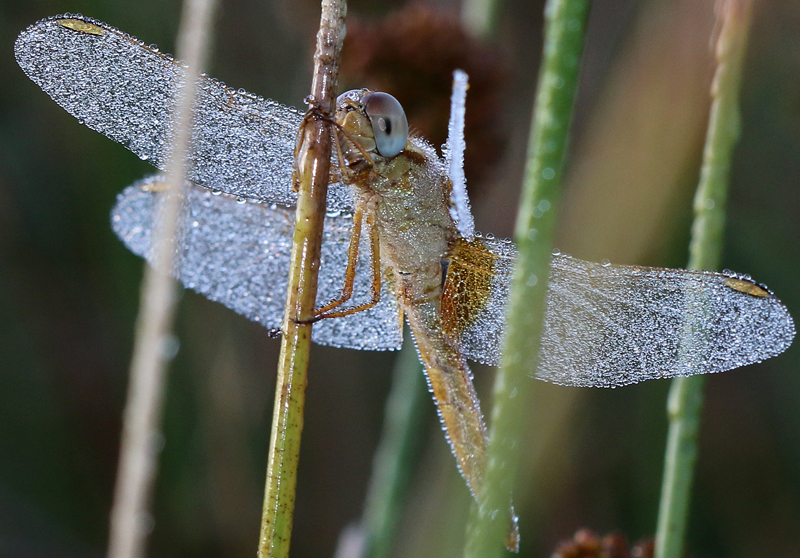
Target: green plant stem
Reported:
point(685, 400)
point(480, 16)
point(393, 460)
point(565, 22)
point(312, 171)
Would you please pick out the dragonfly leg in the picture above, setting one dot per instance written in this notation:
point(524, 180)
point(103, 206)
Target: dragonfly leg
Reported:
point(337, 174)
point(375, 298)
point(344, 172)
point(352, 259)
point(159, 183)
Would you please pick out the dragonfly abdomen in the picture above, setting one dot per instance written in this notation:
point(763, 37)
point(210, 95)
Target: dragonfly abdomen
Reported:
point(450, 382)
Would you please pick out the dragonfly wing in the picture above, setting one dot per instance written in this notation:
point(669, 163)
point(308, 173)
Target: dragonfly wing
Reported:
point(238, 254)
point(475, 294)
point(613, 325)
point(609, 325)
point(242, 144)
point(454, 157)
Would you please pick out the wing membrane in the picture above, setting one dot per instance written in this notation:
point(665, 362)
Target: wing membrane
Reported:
point(612, 325)
point(242, 144)
point(238, 254)
point(475, 294)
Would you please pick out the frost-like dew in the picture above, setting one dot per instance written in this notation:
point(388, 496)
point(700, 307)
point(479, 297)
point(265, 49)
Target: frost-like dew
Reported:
point(242, 145)
point(238, 254)
point(605, 325)
point(454, 157)
point(612, 325)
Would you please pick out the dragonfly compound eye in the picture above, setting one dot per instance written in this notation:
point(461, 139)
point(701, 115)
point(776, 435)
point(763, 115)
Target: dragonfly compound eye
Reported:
point(389, 122)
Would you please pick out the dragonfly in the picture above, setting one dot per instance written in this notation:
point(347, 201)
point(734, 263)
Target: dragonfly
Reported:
point(399, 243)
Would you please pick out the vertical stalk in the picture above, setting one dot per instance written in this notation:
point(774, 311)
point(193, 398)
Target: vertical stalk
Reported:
point(311, 172)
point(565, 22)
point(130, 517)
point(391, 466)
point(479, 17)
point(686, 394)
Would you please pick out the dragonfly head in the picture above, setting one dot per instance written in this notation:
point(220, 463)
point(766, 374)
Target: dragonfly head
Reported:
point(376, 120)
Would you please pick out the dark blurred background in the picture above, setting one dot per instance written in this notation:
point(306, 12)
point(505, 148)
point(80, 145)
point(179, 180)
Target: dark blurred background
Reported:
point(69, 289)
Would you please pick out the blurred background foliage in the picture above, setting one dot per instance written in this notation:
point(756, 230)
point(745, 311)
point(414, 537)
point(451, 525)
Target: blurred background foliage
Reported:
point(68, 289)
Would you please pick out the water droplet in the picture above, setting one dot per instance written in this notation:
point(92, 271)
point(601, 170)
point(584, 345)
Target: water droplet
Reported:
point(145, 523)
point(156, 442)
point(169, 347)
point(241, 200)
point(556, 252)
point(606, 263)
point(548, 173)
point(532, 280)
point(216, 192)
point(144, 156)
point(532, 234)
point(489, 236)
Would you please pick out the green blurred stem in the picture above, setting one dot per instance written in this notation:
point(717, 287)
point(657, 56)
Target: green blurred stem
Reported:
point(393, 460)
point(312, 171)
point(565, 22)
point(686, 398)
point(479, 16)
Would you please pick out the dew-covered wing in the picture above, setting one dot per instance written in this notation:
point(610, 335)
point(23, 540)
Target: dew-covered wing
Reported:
point(454, 157)
point(238, 254)
point(475, 293)
point(242, 144)
point(612, 325)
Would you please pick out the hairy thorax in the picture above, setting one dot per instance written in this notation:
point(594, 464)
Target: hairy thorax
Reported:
point(408, 195)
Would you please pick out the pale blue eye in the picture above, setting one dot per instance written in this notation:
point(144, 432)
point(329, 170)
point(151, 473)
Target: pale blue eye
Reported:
point(389, 124)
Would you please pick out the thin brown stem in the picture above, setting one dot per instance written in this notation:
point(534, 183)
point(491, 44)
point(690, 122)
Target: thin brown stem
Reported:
point(312, 171)
point(130, 516)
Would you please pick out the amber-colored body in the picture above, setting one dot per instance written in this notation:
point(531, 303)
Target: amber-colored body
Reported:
point(406, 200)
